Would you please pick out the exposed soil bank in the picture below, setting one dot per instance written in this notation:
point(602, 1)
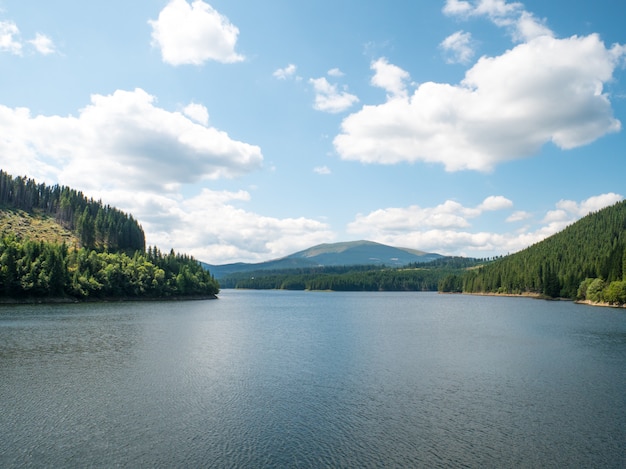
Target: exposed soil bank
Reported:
point(538, 296)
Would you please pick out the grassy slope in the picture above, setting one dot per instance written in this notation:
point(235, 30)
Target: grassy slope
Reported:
point(34, 226)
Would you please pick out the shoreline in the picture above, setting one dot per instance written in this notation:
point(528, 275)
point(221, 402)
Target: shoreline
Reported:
point(538, 296)
point(70, 300)
point(601, 304)
point(534, 296)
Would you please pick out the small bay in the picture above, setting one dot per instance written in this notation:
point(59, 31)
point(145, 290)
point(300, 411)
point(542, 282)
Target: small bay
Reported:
point(313, 379)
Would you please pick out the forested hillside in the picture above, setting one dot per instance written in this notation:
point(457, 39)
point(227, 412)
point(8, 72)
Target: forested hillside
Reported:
point(39, 258)
point(565, 264)
point(96, 225)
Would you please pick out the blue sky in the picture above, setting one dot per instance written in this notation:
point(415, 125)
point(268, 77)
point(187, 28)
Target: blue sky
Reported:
point(245, 131)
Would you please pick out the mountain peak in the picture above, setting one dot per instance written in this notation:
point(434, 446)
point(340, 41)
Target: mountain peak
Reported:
point(361, 252)
point(348, 253)
point(327, 248)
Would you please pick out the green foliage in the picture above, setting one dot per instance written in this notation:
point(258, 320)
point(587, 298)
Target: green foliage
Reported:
point(615, 293)
point(593, 247)
point(597, 290)
point(30, 269)
point(581, 294)
point(451, 283)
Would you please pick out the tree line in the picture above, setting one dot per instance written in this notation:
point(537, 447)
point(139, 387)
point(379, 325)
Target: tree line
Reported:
point(418, 277)
point(37, 269)
point(97, 226)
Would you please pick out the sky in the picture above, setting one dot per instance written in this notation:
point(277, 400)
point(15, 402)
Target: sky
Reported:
point(244, 131)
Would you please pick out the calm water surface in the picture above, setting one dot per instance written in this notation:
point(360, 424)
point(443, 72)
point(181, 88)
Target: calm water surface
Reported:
point(304, 379)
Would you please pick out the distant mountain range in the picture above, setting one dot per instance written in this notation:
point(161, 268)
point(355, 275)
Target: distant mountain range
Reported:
point(335, 254)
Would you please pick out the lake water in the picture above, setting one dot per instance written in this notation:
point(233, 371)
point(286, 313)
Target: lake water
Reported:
point(314, 379)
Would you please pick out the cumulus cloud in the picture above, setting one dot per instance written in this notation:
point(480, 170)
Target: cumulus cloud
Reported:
point(457, 7)
point(519, 215)
point(11, 42)
point(507, 107)
point(568, 211)
point(215, 228)
point(328, 98)
point(284, 73)
point(122, 140)
point(193, 34)
point(390, 77)
point(458, 46)
point(446, 228)
point(8, 38)
point(496, 9)
point(335, 72)
point(450, 214)
point(523, 25)
point(495, 202)
point(442, 229)
point(43, 44)
point(197, 113)
point(529, 27)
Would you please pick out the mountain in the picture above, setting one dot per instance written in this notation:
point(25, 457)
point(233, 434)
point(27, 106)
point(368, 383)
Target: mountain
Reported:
point(335, 254)
point(362, 252)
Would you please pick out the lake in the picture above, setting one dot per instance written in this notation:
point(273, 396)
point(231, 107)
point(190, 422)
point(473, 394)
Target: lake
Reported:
point(314, 379)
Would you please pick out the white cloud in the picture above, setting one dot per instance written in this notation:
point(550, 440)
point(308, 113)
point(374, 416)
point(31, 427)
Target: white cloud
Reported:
point(568, 211)
point(390, 77)
point(519, 215)
point(335, 72)
point(445, 229)
point(11, 42)
point(329, 99)
point(528, 27)
point(522, 24)
point(495, 202)
point(497, 9)
point(459, 47)
point(193, 34)
point(456, 7)
point(506, 107)
point(213, 227)
point(450, 214)
point(43, 44)
point(122, 140)
point(284, 73)
point(8, 38)
point(595, 203)
point(197, 113)
point(322, 170)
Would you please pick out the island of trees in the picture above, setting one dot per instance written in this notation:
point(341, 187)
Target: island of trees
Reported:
point(101, 255)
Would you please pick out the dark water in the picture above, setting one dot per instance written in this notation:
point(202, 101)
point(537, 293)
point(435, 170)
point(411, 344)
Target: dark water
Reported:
point(302, 379)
